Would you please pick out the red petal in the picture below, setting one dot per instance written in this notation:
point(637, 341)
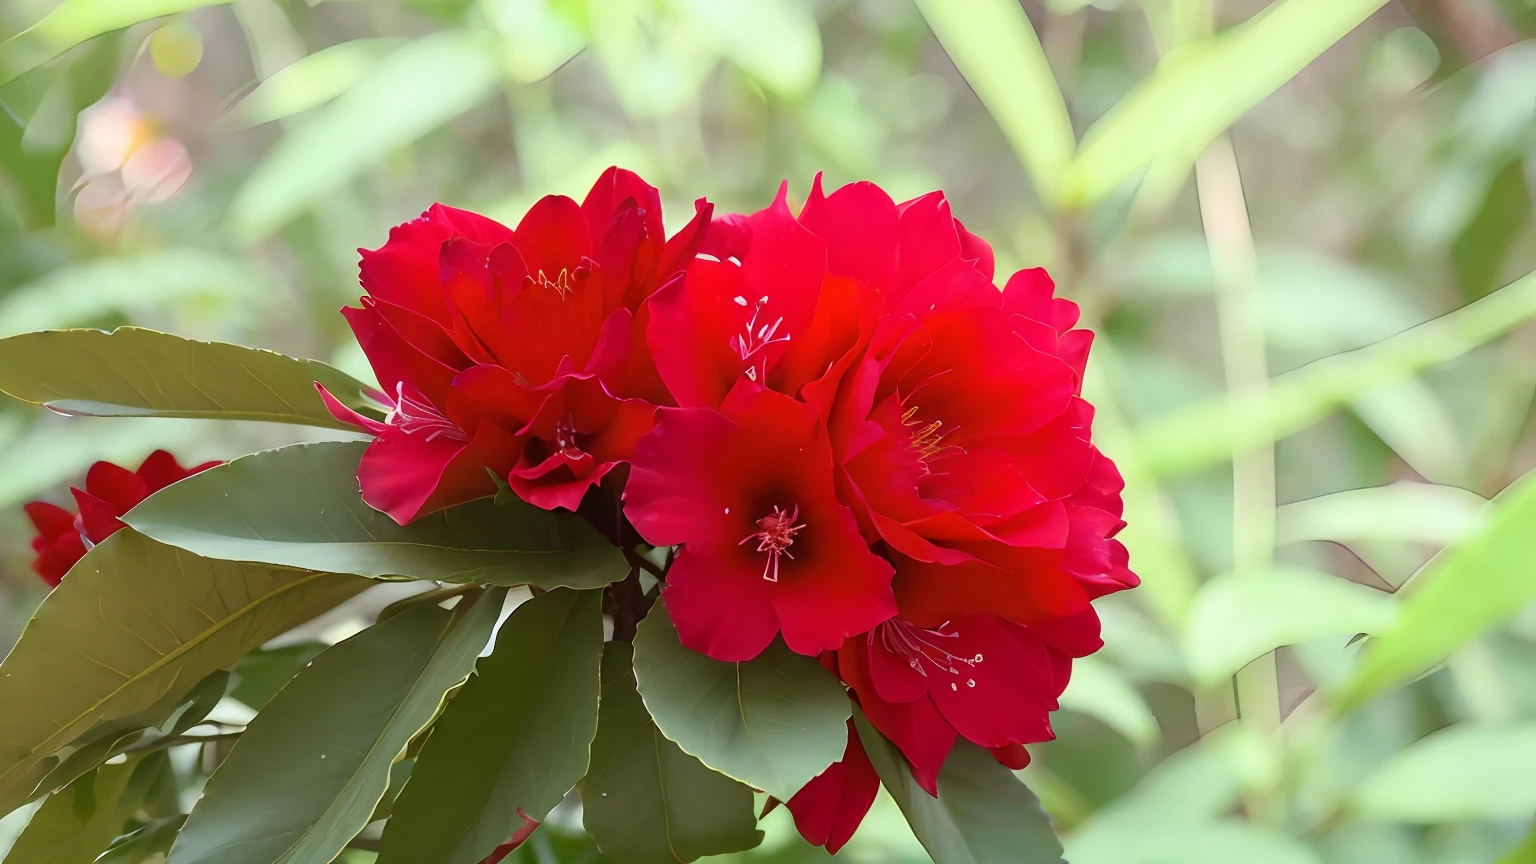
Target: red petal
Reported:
point(50, 520)
point(699, 368)
point(720, 604)
point(1011, 756)
point(408, 476)
point(98, 519)
point(859, 225)
point(347, 415)
point(916, 728)
point(830, 807)
point(928, 241)
point(553, 237)
point(1006, 696)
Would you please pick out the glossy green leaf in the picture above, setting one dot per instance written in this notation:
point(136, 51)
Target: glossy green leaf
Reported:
point(134, 627)
point(414, 90)
point(983, 815)
point(1199, 90)
point(260, 674)
point(1463, 772)
point(143, 845)
point(1469, 588)
point(309, 82)
point(131, 372)
point(1420, 512)
point(996, 49)
point(79, 822)
point(1238, 617)
point(773, 722)
point(512, 743)
point(75, 21)
point(299, 506)
point(305, 776)
point(87, 293)
point(1212, 430)
point(644, 800)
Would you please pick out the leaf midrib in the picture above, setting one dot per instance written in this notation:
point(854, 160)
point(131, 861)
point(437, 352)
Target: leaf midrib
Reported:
point(162, 661)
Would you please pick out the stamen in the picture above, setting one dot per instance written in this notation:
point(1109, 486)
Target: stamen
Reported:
point(565, 440)
point(412, 415)
point(920, 649)
point(928, 439)
point(776, 533)
point(755, 338)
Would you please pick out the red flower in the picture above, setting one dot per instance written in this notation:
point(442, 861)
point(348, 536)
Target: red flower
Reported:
point(110, 492)
point(513, 352)
point(767, 547)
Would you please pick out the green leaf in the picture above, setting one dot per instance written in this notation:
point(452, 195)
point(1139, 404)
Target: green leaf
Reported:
point(1099, 690)
point(1212, 430)
point(75, 21)
point(144, 844)
point(777, 42)
point(1239, 617)
point(133, 628)
point(80, 821)
point(86, 293)
point(983, 815)
point(512, 743)
point(644, 800)
point(309, 82)
point(995, 47)
point(299, 506)
point(416, 89)
point(32, 152)
point(260, 674)
point(304, 778)
point(773, 722)
point(1471, 587)
point(1462, 772)
point(1199, 90)
point(131, 372)
point(1418, 512)
point(1205, 843)
point(1479, 251)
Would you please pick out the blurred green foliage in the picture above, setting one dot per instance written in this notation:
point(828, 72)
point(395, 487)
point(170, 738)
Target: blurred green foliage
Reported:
point(237, 153)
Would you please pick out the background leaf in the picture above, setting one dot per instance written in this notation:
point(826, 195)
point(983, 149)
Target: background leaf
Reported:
point(74, 21)
point(512, 743)
point(304, 777)
point(299, 506)
point(996, 49)
point(1463, 772)
point(131, 372)
point(135, 625)
point(773, 722)
point(644, 800)
point(408, 94)
point(78, 823)
point(1479, 583)
point(983, 814)
point(309, 82)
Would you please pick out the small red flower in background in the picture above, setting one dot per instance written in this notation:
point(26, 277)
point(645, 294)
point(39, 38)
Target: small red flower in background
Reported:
point(110, 492)
point(521, 351)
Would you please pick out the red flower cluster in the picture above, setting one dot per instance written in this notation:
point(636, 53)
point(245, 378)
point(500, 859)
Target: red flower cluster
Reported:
point(110, 492)
point(856, 441)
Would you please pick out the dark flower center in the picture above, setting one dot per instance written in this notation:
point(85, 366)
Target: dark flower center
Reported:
point(774, 535)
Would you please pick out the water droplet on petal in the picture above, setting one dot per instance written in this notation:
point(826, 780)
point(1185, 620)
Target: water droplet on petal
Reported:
point(970, 682)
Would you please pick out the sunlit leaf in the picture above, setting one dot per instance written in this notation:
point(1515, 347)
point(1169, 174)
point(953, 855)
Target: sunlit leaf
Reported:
point(773, 722)
point(298, 506)
point(1238, 617)
point(775, 41)
point(512, 743)
point(1472, 586)
point(414, 90)
point(131, 372)
point(135, 626)
point(1420, 512)
point(1199, 90)
point(983, 813)
point(74, 21)
point(304, 778)
point(143, 845)
point(309, 82)
point(644, 800)
point(1464, 772)
point(1212, 430)
point(88, 292)
point(996, 49)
